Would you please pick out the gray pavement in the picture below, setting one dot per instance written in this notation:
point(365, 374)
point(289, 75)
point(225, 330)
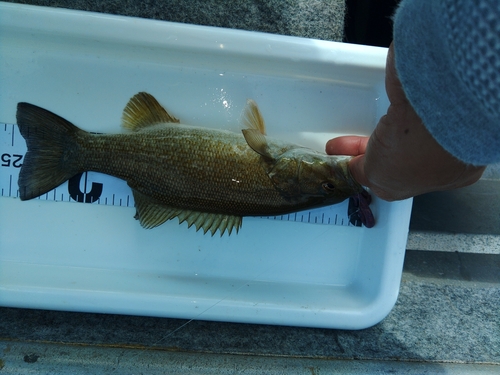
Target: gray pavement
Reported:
point(311, 19)
point(61, 359)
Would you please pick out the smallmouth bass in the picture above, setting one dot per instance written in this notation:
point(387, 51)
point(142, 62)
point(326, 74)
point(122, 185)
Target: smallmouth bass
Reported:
point(208, 178)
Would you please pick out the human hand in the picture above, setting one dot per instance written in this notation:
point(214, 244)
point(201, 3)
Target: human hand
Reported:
point(401, 159)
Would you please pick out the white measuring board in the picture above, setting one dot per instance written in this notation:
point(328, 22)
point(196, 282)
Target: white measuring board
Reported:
point(98, 188)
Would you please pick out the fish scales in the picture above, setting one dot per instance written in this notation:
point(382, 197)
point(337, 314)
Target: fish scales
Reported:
point(206, 177)
point(190, 167)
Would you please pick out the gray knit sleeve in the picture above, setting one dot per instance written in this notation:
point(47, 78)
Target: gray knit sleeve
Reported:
point(447, 56)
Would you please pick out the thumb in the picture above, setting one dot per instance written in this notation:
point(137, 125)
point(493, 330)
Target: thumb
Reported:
point(357, 169)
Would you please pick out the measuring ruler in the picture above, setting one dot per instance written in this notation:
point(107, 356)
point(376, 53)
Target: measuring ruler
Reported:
point(98, 188)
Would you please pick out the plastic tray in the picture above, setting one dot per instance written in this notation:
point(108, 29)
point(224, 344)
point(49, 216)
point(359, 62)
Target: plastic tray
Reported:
point(85, 257)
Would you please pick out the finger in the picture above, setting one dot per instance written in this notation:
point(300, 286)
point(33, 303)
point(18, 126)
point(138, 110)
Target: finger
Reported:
point(351, 145)
point(357, 169)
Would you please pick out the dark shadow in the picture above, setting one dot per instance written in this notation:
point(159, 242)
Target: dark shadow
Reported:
point(474, 209)
point(369, 22)
point(476, 268)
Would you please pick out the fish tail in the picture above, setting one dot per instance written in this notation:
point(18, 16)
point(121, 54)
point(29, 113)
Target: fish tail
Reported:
point(52, 148)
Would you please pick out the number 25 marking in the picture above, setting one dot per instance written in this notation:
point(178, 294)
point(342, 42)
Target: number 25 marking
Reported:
point(14, 160)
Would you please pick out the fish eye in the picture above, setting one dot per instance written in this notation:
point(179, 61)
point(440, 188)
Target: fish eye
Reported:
point(328, 186)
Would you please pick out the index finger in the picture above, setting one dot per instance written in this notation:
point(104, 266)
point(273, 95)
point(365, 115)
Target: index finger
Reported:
point(351, 145)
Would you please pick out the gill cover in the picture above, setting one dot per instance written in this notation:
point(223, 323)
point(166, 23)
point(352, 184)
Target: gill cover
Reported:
point(281, 169)
point(296, 172)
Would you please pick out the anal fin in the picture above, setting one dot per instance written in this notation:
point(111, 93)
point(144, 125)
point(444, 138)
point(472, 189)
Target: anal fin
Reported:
point(152, 213)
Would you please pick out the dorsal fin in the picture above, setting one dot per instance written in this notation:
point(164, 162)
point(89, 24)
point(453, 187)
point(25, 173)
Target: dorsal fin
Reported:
point(143, 110)
point(252, 118)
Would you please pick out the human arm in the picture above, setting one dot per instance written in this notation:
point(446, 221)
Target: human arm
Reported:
point(401, 159)
point(443, 79)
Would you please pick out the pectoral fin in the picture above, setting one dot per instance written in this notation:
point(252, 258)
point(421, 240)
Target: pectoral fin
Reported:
point(257, 142)
point(255, 131)
point(152, 213)
point(252, 118)
point(142, 111)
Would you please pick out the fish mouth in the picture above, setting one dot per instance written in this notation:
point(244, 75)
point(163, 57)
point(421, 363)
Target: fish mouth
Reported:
point(340, 172)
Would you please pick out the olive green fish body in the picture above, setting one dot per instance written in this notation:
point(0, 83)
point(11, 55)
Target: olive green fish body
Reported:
point(209, 178)
point(194, 168)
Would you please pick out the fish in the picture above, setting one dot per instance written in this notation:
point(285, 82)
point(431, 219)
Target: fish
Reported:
point(206, 177)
